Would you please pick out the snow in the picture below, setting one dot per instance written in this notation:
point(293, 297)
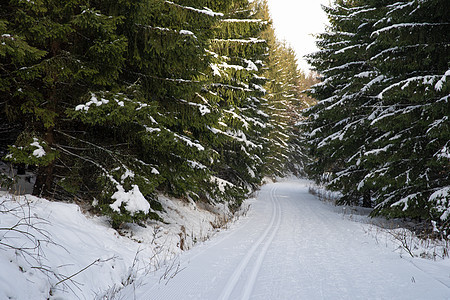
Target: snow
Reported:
point(440, 83)
point(401, 25)
point(390, 50)
point(133, 199)
point(189, 142)
point(360, 11)
point(340, 51)
point(221, 183)
point(292, 246)
point(378, 151)
point(70, 241)
point(93, 100)
point(444, 152)
point(364, 74)
point(151, 129)
point(428, 79)
point(259, 88)
point(442, 199)
point(289, 245)
point(39, 151)
point(186, 32)
point(251, 172)
point(437, 123)
point(404, 201)
point(203, 109)
point(245, 21)
point(196, 165)
point(205, 10)
point(344, 66)
point(128, 173)
point(251, 65)
point(216, 70)
point(244, 41)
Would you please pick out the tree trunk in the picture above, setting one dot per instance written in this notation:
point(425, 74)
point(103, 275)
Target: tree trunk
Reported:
point(44, 178)
point(367, 201)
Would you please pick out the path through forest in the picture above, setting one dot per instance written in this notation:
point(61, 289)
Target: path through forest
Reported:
point(293, 246)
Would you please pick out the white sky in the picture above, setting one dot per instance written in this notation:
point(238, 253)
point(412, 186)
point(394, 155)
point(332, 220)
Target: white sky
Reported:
point(295, 21)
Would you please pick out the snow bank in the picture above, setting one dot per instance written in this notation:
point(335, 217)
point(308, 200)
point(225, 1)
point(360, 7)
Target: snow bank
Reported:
point(43, 244)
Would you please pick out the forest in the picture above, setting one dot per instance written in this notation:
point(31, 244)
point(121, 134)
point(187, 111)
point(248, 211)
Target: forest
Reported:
point(110, 103)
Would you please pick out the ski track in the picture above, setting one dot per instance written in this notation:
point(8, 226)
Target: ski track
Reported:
point(270, 230)
point(292, 246)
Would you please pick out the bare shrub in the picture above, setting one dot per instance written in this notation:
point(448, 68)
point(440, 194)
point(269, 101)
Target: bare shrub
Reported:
point(407, 241)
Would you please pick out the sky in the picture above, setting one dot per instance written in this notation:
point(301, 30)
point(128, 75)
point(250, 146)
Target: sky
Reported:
point(295, 21)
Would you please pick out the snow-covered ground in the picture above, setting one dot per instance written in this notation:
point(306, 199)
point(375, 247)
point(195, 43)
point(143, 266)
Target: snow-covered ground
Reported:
point(289, 246)
point(53, 250)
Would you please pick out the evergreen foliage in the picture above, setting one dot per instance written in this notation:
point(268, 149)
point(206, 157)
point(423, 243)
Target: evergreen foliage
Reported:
point(380, 132)
point(116, 101)
point(239, 53)
point(284, 101)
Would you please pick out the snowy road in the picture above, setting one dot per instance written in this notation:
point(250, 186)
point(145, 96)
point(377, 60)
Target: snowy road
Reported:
point(292, 246)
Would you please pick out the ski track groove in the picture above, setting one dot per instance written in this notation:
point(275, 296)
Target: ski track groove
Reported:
point(234, 278)
point(255, 271)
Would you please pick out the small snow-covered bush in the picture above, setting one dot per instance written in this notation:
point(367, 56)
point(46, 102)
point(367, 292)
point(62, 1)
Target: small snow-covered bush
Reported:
point(128, 206)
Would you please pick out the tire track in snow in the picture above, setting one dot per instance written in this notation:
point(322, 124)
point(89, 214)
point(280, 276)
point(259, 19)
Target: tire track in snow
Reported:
point(273, 226)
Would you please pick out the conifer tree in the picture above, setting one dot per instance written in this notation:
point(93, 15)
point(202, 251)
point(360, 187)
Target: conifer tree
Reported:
point(284, 102)
point(412, 42)
point(53, 66)
point(117, 101)
point(380, 130)
point(108, 95)
point(338, 130)
point(239, 53)
point(162, 118)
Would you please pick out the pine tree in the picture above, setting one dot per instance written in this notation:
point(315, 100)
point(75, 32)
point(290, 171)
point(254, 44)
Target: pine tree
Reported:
point(412, 42)
point(284, 102)
point(380, 129)
point(50, 70)
point(338, 123)
point(239, 53)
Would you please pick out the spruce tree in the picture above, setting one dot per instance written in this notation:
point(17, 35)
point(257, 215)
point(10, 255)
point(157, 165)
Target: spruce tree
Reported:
point(380, 129)
point(121, 100)
point(284, 102)
point(239, 53)
point(54, 65)
point(108, 96)
point(116, 101)
point(163, 118)
point(338, 126)
point(412, 42)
